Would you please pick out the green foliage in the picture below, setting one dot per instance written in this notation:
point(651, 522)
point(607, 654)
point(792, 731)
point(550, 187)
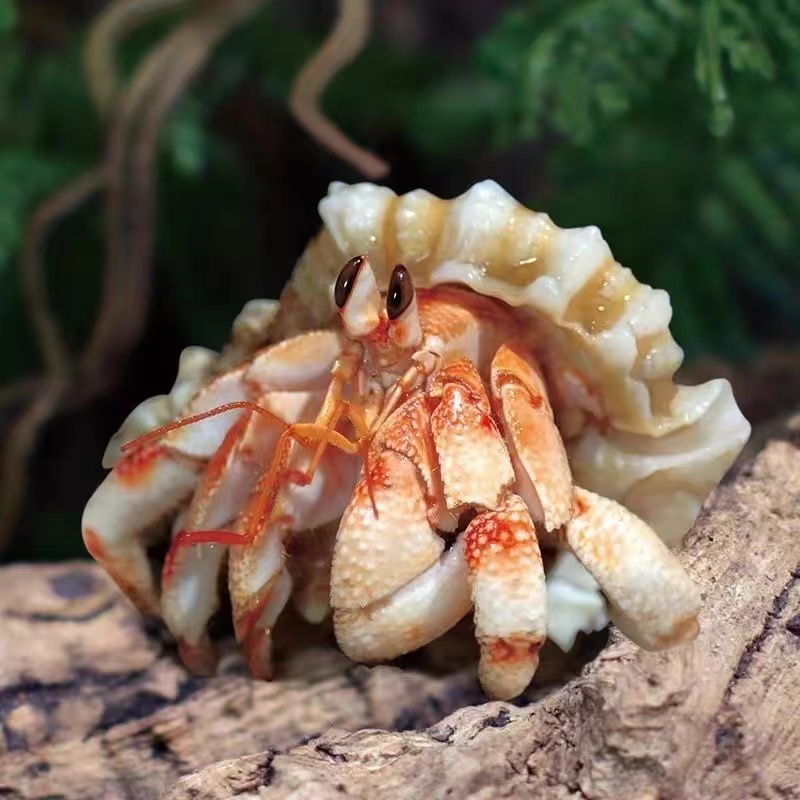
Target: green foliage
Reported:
point(677, 131)
point(24, 177)
point(672, 124)
point(570, 67)
point(8, 16)
point(47, 136)
point(37, 97)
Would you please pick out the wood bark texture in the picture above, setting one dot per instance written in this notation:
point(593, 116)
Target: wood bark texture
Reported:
point(93, 703)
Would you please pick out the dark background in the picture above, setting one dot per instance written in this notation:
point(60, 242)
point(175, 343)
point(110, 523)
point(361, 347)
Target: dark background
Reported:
point(674, 126)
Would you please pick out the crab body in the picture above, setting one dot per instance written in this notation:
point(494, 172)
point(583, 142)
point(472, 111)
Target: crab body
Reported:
point(411, 457)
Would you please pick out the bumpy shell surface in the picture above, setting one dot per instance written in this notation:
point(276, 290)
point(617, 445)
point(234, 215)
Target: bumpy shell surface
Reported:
point(666, 446)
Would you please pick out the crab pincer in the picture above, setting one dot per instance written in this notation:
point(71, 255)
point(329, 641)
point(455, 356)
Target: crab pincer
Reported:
point(448, 444)
point(651, 597)
point(537, 451)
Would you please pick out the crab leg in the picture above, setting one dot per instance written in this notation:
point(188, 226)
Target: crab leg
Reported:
point(574, 397)
point(190, 577)
point(506, 575)
point(540, 462)
point(149, 482)
point(260, 587)
point(187, 605)
point(508, 589)
point(322, 432)
point(259, 578)
point(653, 600)
point(475, 468)
point(146, 484)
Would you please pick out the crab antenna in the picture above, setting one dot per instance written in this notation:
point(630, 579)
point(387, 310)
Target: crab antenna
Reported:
point(160, 433)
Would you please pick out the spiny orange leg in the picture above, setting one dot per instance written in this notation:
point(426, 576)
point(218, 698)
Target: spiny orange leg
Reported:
point(333, 407)
point(257, 513)
point(258, 526)
point(397, 394)
point(262, 503)
point(364, 436)
point(210, 477)
point(303, 433)
point(363, 439)
point(160, 433)
point(330, 413)
point(304, 477)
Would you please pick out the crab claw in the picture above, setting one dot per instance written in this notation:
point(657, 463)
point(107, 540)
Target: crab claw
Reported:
point(411, 617)
point(540, 462)
point(387, 534)
point(509, 592)
point(376, 553)
point(475, 467)
point(652, 598)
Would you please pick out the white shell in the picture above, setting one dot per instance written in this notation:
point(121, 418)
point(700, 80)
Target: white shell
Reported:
point(195, 367)
point(574, 601)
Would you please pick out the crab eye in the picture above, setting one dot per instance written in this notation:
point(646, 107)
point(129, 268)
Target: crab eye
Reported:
point(401, 292)
point(347, 279)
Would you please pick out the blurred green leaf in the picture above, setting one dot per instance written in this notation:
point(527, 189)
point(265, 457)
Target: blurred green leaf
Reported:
point(8, 16)
point(708, 68)
point(453, 114)
point(571, 67)
point(669, 141)
point(186, 140)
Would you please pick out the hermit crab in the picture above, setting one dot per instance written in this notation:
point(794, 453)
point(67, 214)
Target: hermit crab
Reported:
point(456, 405)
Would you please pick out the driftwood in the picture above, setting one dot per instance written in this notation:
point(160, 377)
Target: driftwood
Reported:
point(93, 703)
